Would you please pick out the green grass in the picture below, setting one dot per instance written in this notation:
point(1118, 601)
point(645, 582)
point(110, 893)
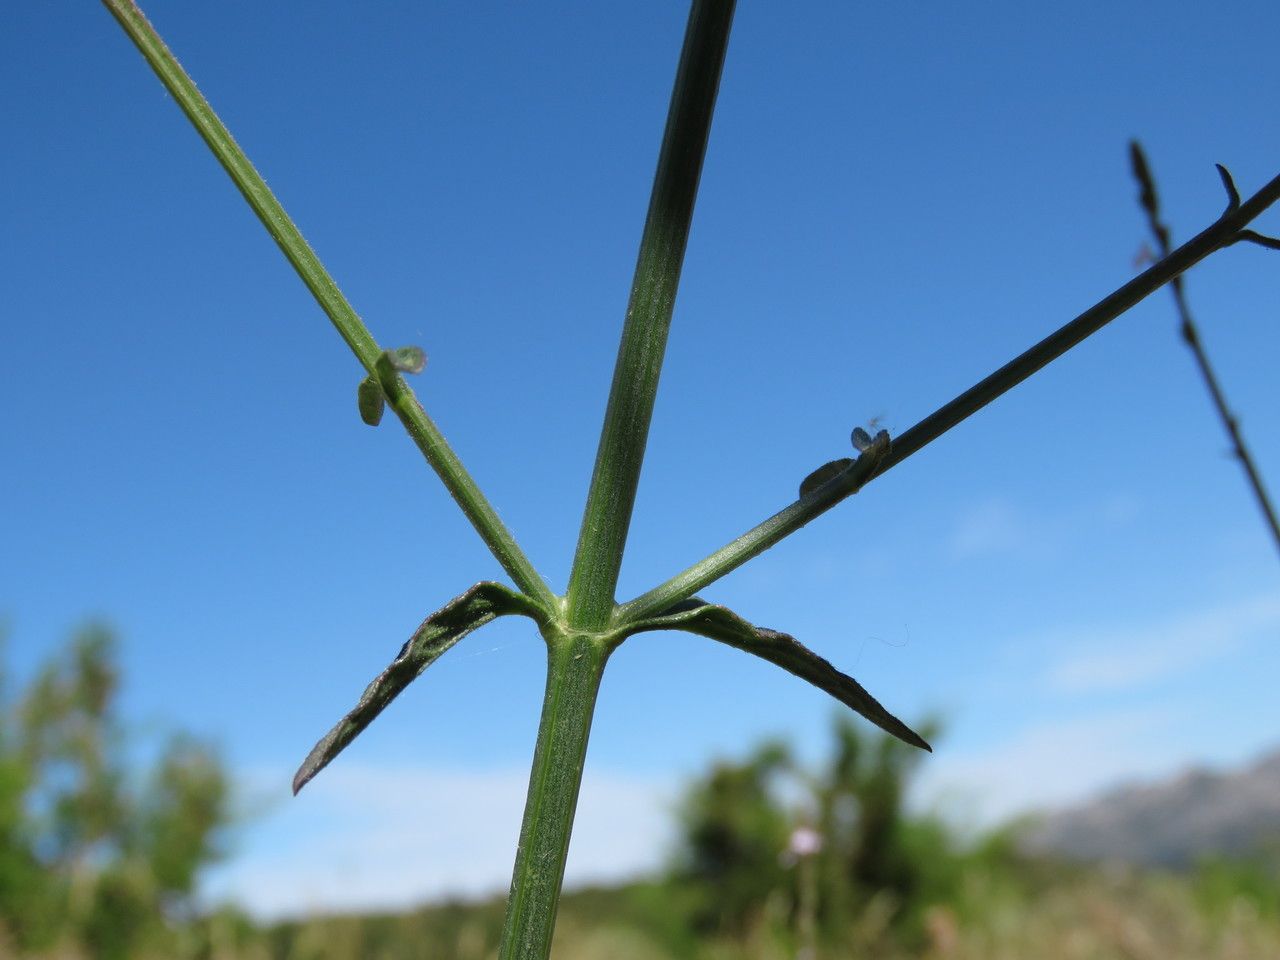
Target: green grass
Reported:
point(1039, 911)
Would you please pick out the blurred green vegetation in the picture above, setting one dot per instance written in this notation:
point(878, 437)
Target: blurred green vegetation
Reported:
point(97, 859)
point(100, 858)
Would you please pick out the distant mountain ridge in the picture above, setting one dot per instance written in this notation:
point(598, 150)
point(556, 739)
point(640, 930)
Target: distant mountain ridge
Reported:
point(1172, 823)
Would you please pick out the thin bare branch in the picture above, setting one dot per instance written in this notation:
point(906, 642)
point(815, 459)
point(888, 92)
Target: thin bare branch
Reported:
point(1150, 199)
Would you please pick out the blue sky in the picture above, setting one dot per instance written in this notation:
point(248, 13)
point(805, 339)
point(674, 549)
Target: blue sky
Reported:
point(896, 199)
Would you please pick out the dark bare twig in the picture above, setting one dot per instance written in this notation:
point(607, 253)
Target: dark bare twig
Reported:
point(1190, 333)
point(1252, 236)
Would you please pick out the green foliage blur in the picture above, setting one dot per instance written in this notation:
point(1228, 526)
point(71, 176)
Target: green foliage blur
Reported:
point(98, 860)
point(766, 842)
point(775, 860)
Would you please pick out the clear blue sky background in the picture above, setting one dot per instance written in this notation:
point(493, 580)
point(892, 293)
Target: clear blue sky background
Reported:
point(896, 199)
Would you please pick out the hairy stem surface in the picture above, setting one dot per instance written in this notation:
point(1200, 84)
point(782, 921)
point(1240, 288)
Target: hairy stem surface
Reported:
point(575, 663)
point(247, 180)
point(289, 238)
point(1223, 232)
point(644, 335)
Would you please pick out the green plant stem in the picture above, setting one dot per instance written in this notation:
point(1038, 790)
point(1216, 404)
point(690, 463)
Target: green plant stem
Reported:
point(464, 490)
point(755, 541)
point(1223, 232)
point(247, 180)
point(575, 663)
point(644, 337)
point(322, 286)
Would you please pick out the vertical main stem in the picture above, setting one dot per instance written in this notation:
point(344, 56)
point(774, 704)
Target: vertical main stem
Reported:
point(644, 335)
point(576, 653)
point(575, 664)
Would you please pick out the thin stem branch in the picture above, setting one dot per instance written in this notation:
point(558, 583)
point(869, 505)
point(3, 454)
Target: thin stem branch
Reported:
point(755, 541)
point(1225, 231)
point(248, 181)
point(575, 664)
point(644, 337)
point(1232, 426)
point(464, 490)
point(322, 286)
point(1221, 233)
point(1150, 200)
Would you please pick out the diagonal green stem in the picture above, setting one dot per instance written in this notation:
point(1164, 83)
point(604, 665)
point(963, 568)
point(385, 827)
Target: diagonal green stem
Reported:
point(322, 286)
point(464, 490)
point(644, 337)
point(1223, 232)
point(247, 179)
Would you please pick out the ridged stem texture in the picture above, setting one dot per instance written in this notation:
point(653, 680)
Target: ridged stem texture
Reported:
point(644, 336)
point(575, 663)
point(484, 518)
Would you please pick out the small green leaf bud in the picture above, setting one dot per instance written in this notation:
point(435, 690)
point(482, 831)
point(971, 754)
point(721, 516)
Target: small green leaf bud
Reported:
point(369, 396)
point(408, 359)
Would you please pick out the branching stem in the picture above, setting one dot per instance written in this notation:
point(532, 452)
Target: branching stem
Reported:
point(1190, 331)
point(582, 630)
point(1225, 231)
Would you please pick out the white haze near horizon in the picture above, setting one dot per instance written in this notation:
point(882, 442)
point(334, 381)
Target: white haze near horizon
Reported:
point(385, 836)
